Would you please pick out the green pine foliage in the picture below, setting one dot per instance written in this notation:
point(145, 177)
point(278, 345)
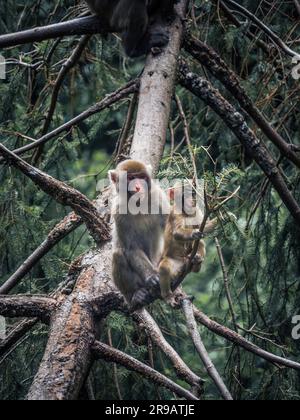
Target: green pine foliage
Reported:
point(259, 239)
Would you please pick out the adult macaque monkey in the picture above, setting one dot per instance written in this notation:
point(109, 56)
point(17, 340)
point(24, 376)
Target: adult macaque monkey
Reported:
point(140, 212)
point(136, 21)
point(182, 230)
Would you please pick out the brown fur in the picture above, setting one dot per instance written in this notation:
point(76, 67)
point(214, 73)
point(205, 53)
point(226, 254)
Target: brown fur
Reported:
point(180, 238)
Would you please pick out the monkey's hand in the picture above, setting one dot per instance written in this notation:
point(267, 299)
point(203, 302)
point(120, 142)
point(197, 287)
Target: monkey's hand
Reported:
point(197, 235)
point(197, 260)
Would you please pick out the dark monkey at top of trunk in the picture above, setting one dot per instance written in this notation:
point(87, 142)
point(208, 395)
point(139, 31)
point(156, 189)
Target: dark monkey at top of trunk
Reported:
point(138, 21)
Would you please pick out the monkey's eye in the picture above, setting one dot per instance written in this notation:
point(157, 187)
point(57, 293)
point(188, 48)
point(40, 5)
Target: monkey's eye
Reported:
point(131, 177)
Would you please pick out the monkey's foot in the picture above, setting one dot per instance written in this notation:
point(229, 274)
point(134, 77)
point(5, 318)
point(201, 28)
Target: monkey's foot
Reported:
point(158, 39)
point(156, 51)
point(197, 264)
point(140, 299)
point(171, 300)
point(153, 281)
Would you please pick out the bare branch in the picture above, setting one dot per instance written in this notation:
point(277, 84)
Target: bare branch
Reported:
point(219, 69)
point(249, 33)
point(66, 67)
point(70, 223)
point(15, 335)
point(123, 139)
point(65, 227)
point(275, 38)
point(64, 195)
point(235, 338)
point(297, 5)
point(82, 26)
point(210, 367)
point(110, 354)
point(107, 102)
point(146, 322)
point(27, 306)
point(236, 122)
point(226, 284)
point(187, 137)
point(115, 368)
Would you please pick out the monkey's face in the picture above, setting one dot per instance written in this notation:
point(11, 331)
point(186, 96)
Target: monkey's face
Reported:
point(188, 203)
point(132, 178)
point(138, 183)
point(184, 199)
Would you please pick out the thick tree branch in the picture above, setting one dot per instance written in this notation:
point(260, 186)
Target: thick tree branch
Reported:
point(64, 195)
point(27, 306)
point(236, 122)
point(82, 26)
point(210, 367)
point(68, 357)
point(110, 354)
point(156, 91)
point(107, 102)
point(219, 69)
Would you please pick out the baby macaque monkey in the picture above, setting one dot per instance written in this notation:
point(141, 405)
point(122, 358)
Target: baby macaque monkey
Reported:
point(182, 230)
point(134, 20)
point(140, 212)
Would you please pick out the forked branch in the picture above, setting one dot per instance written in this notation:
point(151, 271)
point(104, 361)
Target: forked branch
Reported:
point(110, 354)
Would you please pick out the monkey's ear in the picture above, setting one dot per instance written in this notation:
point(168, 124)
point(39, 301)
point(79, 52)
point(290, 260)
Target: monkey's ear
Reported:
point(113, 176)
point(171, 193)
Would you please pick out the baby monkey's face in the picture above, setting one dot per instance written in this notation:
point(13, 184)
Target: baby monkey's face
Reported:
point(184, 198)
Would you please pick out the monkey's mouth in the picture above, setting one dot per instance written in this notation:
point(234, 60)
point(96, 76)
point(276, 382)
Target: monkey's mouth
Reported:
point(138, 196)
